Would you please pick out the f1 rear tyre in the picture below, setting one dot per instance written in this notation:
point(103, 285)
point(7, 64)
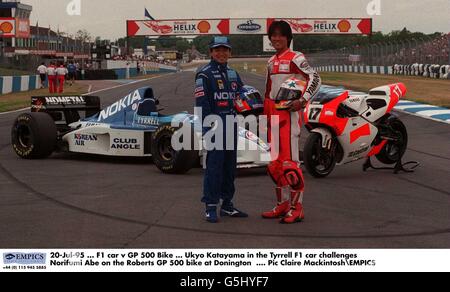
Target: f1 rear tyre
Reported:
point(34, 135)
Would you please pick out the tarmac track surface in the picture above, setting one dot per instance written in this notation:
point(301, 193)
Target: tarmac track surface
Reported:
point(84, 201)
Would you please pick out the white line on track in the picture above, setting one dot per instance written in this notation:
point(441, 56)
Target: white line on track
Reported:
point(434, 112)
point(404, 107)
point(423, 117)
point(400, 107)
point(89, 93)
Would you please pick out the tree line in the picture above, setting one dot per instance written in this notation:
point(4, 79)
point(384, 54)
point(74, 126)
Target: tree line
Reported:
point(253, 44)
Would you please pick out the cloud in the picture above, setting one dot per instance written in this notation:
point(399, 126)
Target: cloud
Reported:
point(106, 18)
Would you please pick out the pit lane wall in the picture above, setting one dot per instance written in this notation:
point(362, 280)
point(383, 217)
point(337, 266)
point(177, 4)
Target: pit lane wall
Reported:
point(9, 84)
point(121, 68)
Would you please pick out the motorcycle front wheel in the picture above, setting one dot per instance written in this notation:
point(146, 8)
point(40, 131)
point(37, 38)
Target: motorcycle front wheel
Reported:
point(319, 161)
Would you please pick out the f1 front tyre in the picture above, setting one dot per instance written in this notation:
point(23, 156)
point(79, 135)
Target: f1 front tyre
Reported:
point(167, 159)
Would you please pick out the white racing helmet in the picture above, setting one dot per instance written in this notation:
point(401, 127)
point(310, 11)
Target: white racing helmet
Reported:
point(292, 89)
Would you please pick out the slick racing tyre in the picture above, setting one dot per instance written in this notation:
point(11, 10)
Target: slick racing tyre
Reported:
point(318, 161)
point(166, 158)
point(34, 135)
point(393, 151)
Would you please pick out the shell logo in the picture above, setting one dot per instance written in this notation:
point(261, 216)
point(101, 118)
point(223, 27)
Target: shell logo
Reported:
point(6, 27)
point(344, 25)
point(204, 26)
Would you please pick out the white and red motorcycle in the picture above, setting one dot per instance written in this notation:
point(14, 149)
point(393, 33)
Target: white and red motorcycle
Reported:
point(345, 128)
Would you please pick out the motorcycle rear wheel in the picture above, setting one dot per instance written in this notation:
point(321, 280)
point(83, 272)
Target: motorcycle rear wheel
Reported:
point(393, 151)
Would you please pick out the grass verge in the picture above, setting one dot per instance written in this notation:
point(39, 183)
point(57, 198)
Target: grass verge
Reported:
point(420, 89)
point(13, 72)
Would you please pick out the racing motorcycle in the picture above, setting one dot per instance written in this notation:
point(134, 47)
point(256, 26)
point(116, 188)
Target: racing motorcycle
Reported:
point(345, 128)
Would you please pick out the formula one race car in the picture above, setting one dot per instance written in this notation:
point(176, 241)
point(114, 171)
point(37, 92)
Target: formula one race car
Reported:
point(132, 126)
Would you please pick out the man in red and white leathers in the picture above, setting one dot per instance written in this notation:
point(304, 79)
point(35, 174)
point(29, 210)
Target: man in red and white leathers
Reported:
point(61, 73)
point(51, 73)
point(285, 166)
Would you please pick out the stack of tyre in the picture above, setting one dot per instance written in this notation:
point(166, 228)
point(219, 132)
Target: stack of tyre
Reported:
point(426, 70)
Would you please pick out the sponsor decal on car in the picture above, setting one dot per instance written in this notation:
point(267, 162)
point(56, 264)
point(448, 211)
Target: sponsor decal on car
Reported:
point(355, 99)
point(126, 144)
point(119, 105)
point(150, 121)
point(50, 100)
point(89, 124)
point(80, 139)
point(252, 137)
point(37, 104)
point(358, 152)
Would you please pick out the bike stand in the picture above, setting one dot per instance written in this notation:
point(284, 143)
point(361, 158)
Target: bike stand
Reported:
point(399, 166)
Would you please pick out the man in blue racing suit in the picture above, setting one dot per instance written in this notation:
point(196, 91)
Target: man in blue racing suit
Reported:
point(217, 86)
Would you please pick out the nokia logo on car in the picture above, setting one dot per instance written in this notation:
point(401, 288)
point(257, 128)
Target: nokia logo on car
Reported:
point(249, 26)
point(119, 105)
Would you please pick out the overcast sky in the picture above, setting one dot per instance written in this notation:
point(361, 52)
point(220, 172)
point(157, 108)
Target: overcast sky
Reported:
point(106, 18)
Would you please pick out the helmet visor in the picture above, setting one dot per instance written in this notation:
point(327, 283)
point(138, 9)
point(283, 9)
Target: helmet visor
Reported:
point(288, 94)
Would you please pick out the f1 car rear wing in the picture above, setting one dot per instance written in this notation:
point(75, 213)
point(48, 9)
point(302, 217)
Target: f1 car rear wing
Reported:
point(69, 106)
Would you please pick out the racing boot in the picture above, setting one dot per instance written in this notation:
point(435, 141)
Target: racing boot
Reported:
point(281, 209)
point(228, 210)
point(211, 214)
point(296, 213)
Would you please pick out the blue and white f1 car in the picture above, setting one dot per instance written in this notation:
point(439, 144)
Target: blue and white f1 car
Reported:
point(133, 126)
